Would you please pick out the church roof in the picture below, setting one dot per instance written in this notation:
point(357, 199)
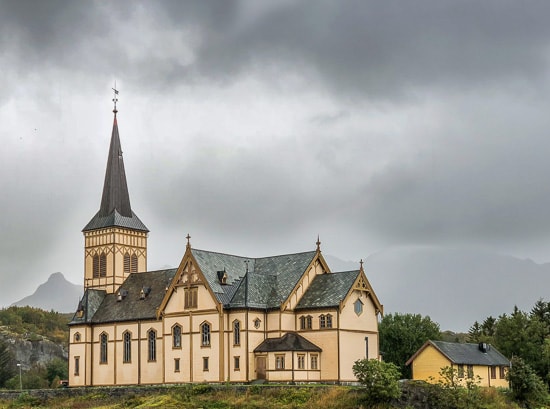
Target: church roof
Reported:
point(127, 303)
point(328, 290)
point(267, 283)
point(288, 342)
point(115, 209)
point(88, 305)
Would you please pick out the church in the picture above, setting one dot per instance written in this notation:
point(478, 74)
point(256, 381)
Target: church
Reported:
point(214, 318)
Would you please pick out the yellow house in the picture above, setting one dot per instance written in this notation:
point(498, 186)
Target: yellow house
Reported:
point(214, 318)
point(475, 361)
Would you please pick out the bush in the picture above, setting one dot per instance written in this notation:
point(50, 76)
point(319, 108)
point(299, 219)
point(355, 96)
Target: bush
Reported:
point(527, 387)
point(381, 379)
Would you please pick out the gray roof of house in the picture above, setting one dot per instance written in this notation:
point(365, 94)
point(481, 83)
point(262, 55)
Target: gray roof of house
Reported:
point(470, 354)
point(288, 342)
point(115, 209)
point(327, 290)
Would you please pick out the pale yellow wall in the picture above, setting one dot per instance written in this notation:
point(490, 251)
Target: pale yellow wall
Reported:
point(151, 372)
point(127, 372)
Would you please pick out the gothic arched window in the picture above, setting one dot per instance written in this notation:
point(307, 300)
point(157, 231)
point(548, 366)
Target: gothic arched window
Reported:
point(205, 334)
point(152, 345)
point(176, 336)
point(103, 343)
point(236, 332)
point(127, 350)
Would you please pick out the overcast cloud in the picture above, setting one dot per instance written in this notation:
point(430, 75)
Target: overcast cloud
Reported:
point(255, 126)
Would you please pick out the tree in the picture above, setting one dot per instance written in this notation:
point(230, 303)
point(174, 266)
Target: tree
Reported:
point(7, 364)
point(381, 379)
point(526, 386)
point(57, 367)
point(401, 335)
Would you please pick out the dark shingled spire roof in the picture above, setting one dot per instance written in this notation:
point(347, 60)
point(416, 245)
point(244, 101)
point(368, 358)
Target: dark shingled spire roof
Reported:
point(115, 207)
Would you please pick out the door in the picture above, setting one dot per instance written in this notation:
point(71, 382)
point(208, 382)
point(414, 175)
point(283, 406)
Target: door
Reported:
point(260, 367)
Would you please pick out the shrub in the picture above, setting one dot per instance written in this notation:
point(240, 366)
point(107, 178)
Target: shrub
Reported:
point(527, 387)
point(381, 379)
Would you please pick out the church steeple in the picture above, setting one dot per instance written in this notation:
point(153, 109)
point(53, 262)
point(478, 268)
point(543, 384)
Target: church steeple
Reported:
point(115, 238)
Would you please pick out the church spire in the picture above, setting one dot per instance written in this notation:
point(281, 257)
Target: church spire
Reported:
point(115, 209)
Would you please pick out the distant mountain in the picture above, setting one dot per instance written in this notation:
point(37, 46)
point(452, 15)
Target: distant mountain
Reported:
point(455, 287)
point(56, 294)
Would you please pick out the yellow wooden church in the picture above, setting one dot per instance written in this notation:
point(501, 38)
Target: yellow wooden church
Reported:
point(214, 318)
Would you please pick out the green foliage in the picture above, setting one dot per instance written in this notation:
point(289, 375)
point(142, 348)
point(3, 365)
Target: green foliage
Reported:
point(56, 368)
point(7, 364)
point(527, 386)
point(32, 321)
point(401, 335)
point(379, 378)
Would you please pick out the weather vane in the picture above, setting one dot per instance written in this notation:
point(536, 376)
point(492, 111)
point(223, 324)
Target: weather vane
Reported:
point(115, 99)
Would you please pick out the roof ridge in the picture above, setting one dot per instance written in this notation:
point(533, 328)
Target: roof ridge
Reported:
point(253, 258)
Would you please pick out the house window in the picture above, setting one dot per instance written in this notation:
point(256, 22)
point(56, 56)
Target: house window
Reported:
point(237, 363)
point(461, 371)
point(358, 307)
point(493, 372)
point(103, 340)
point(322, 321)
point(76, 366)
point(176, 364)
point(314, 362)
point(190, 297)
point(205, 334)
point(502, 373)
point(301, 361)
point(257, 323)
point(279, 362)
point(236, 333)
point(127, 349)
point(306, 322)
point(470, 371)
point(152, 345)
point(103, 265)
point(95, 266)
point(329, 321)
point(205, 363)
point(76, 337)
point(176, 336)
point(134, 263)
point(126, 263)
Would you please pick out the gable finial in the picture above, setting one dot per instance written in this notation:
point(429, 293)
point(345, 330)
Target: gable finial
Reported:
point(246, 262)
point(188, 237)
point(318, 243)
point(115, 99)
point(361, 264)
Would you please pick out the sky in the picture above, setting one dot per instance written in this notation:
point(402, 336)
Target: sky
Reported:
point(257, 126)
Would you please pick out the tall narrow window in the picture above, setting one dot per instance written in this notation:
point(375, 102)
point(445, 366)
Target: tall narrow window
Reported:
point(309, 322)
point(322, 321)
point(237, 363)
point(103, 265)
point(358, 307)
point(470, 371)
point(205, 334)
point(302, 322)
point(76, 366)
point(176, 364)
point(460, 371)
point(190, 297)
point(301, 361)
point(103, 342)
point(493, 372)
point(279, 362)
point(176, 336)
point(152, 345)
point(205, 366)
point(95, 266)
point(329, 321)
point(314, 362)
point(236, 333)
point(126, 263)
point(127, 349)
point(134, 263)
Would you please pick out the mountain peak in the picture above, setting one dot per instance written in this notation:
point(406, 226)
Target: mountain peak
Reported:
point(56, 294)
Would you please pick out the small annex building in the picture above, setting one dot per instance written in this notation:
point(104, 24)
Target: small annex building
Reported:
point(215, 317)
point(470, 361)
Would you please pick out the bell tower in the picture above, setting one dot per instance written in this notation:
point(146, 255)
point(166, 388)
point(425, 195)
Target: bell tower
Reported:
point(115, 240)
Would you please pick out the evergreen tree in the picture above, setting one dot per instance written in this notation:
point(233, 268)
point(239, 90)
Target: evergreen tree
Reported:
point(7, 364)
